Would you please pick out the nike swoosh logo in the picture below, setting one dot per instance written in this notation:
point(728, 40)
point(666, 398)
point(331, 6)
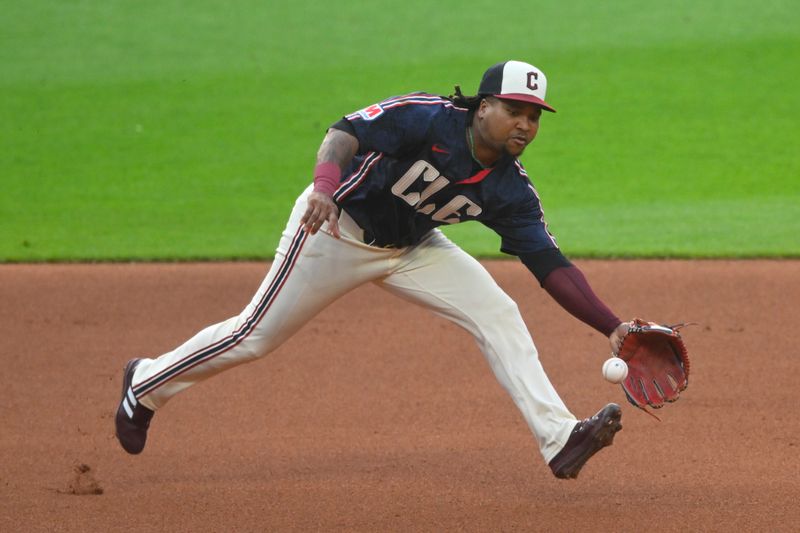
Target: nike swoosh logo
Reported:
point(438, 149)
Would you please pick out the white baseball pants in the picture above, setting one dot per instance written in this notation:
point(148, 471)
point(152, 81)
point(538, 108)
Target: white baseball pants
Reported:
point(312, 271)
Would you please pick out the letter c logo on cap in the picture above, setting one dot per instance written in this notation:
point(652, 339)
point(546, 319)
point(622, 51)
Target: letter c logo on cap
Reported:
point(532, 77)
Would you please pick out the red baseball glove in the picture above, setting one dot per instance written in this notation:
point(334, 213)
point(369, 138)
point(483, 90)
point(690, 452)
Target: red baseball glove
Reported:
point(658, 364)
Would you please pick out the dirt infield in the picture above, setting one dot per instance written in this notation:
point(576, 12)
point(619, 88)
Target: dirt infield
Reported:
point(380, 417)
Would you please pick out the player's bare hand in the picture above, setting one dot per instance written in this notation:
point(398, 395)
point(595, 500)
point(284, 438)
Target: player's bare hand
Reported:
point(616, 336)
point(321, 208)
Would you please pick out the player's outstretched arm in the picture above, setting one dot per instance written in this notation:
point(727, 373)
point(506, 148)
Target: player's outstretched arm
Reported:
point(335, 153)
point(568, 286)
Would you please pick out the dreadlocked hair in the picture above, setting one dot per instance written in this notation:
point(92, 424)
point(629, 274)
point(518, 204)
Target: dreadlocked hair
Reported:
point(469, 102)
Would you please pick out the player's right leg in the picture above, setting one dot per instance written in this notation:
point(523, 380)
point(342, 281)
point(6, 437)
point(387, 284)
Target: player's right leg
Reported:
point(309, 273)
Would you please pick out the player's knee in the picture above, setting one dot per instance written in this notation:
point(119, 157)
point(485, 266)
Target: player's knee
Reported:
point(505, 308)
point(500, 314)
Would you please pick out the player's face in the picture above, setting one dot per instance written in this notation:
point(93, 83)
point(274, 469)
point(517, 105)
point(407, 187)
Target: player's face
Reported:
point(508, 126)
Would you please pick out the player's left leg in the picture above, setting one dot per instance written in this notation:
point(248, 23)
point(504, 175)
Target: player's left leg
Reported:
point(438, 275)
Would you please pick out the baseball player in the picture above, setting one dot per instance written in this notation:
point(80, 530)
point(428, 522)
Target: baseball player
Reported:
point(386, 178)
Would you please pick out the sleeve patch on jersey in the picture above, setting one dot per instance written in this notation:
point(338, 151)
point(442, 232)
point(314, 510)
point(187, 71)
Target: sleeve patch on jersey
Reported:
point(372, 112)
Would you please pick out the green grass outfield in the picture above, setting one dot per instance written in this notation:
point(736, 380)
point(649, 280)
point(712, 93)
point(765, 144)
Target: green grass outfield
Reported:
point(184, 130)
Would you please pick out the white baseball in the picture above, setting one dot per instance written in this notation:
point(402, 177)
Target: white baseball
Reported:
point(615, 370)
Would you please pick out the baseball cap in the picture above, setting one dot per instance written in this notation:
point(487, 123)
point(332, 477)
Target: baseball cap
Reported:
point(515, 80)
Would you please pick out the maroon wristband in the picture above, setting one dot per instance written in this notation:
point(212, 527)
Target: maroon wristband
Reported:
point(326, 177)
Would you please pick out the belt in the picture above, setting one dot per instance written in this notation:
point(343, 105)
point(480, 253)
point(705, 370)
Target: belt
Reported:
point(351, 228)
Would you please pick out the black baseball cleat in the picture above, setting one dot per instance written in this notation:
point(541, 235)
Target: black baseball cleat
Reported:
point(589, 437)
point(132, 418)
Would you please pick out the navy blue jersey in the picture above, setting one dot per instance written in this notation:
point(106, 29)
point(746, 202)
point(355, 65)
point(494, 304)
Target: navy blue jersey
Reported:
point(414, 171)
